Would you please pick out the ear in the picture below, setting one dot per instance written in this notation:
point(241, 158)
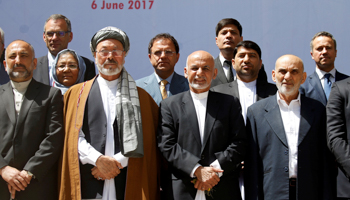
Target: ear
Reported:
point(44, 37)
point(70, 36)
point(216, 41)
point(4, 62)
point(215, 73)
point(149, 56)
point(185, 72)
point(260, 64)
point(312, 56)
point(273, 76)
point(35, 61)
point(304, 77)
point(177, 57)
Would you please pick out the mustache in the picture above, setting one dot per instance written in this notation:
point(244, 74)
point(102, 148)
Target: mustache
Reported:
point(19, 65)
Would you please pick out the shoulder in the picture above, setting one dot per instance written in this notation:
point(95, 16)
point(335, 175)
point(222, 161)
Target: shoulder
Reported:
point(262, 103)
point(340, 76)
point(342, 84)
point(179, 77)
point(222, 87)
point(142, 81)
point(87, 61)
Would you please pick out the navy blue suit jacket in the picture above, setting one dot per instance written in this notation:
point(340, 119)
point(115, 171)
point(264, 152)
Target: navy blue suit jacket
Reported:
point(4, 77)
point(150, 84)
point(267, 159)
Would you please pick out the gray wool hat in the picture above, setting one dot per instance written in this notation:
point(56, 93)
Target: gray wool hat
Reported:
point(110, 32)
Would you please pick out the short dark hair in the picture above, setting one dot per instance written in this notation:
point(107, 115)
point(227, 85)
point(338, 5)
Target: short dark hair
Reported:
point(59, 16)
point(249, 45)
point(325, 34)
point(163, 36)
point(228, 21)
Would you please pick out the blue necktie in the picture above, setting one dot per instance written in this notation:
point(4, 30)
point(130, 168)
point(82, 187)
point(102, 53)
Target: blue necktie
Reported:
point(327, 84)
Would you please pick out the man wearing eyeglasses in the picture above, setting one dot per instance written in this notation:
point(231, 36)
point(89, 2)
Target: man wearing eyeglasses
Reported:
point(110, 149)
point(163, 53)
point(57, 34)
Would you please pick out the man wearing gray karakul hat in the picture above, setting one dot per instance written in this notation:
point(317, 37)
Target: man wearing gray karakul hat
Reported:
point(110, 130)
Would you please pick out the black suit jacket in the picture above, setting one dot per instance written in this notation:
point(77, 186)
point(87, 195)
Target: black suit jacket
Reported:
point(4, 77)
point(267, 160)
point(32, 140)
point(338, 129)
point(180, 143)
point(221, 77)
point(41, 73)
point(263, 89)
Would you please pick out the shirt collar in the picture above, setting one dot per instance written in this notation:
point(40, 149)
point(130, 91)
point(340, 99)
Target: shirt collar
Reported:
point(109, 84)
point(199, 96)
point(321, 73)
point(284, 103)
point(247, 85)
point(168, 79)
point(222, 59)
point(20, 86)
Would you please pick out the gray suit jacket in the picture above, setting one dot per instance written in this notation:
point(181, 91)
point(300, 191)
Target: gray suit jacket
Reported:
point(33, 140)
point(263, 89)
point(149, 83)
point(338, 129)
point(180, 143)
point(41, 73)
point(267, 160)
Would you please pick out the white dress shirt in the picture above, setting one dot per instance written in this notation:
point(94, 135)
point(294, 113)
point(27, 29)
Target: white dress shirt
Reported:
point(51, 62)
point(247, 95)
point(88, 154)
point(167, 86)
point(291, 119)
point(200, 104)
point(321, 74)
point(19, 89)
point(222, 60)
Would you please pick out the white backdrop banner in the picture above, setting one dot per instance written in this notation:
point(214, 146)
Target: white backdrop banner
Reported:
point(277, 26)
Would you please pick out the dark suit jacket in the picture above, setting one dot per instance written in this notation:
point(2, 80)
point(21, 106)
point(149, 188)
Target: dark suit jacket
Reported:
point(180, 143)
point(4, 77)
point(312, 87)
point(338, 129)
point(33, 140)
point(221, 77)
point(41, 73)
point(267, 160)
point(263, 89)
point(150, 84)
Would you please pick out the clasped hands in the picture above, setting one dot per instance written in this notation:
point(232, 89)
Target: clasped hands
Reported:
point(16, 180)
point(106, 168)
point(206, 177)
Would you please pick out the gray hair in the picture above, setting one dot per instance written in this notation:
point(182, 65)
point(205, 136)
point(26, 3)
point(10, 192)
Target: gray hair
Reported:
point(59, 16)
point(110, 32)
point(2, 34)
point(325, 34)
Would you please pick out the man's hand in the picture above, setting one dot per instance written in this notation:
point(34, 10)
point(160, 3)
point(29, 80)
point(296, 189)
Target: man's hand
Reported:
point(108, 167)
point(206, 177)
point(15, 178)
point(12, 191)
point(97, 174)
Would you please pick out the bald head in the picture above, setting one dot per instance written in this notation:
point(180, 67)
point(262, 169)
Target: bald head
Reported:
point(200, 71)
point(289, 75)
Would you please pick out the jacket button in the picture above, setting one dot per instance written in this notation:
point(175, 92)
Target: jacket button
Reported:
point(202, 157)
point(286, 152)
point(286, 169)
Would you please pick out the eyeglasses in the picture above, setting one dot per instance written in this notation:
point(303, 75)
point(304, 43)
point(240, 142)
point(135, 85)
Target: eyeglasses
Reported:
point(58, 33)
point(166, 52)
point(115, 53)
point(62, 67)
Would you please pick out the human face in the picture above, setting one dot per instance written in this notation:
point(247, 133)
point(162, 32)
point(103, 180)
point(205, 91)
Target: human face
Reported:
point(228, 37)
point(20, 62)
point(288, 75)
point(163, 64)
point(55, 43)
point(324, 53)
point(67, 69)
point(247, 64)
point(200, 71)
point(109, 66)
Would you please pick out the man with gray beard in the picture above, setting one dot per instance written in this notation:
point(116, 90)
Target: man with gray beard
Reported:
point(110, 149)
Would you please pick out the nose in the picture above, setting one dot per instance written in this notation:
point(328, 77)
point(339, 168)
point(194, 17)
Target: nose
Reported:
point(287, 76)
point(66, 68)
point(246, 58)
point(55, 36)
point(324, 50)
point(17, 59)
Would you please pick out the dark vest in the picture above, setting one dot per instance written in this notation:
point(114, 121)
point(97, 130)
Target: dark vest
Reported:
point(95, 130)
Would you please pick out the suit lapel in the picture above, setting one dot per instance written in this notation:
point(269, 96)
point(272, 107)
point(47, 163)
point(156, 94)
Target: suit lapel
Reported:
point(8, 101)
point(28, 99)
point(234, 88)
point(191, 116)
point(274, 119)
point(306, 118)
point(317, 86)
point(176, 85)
point(153, 86)
point(213, 106)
